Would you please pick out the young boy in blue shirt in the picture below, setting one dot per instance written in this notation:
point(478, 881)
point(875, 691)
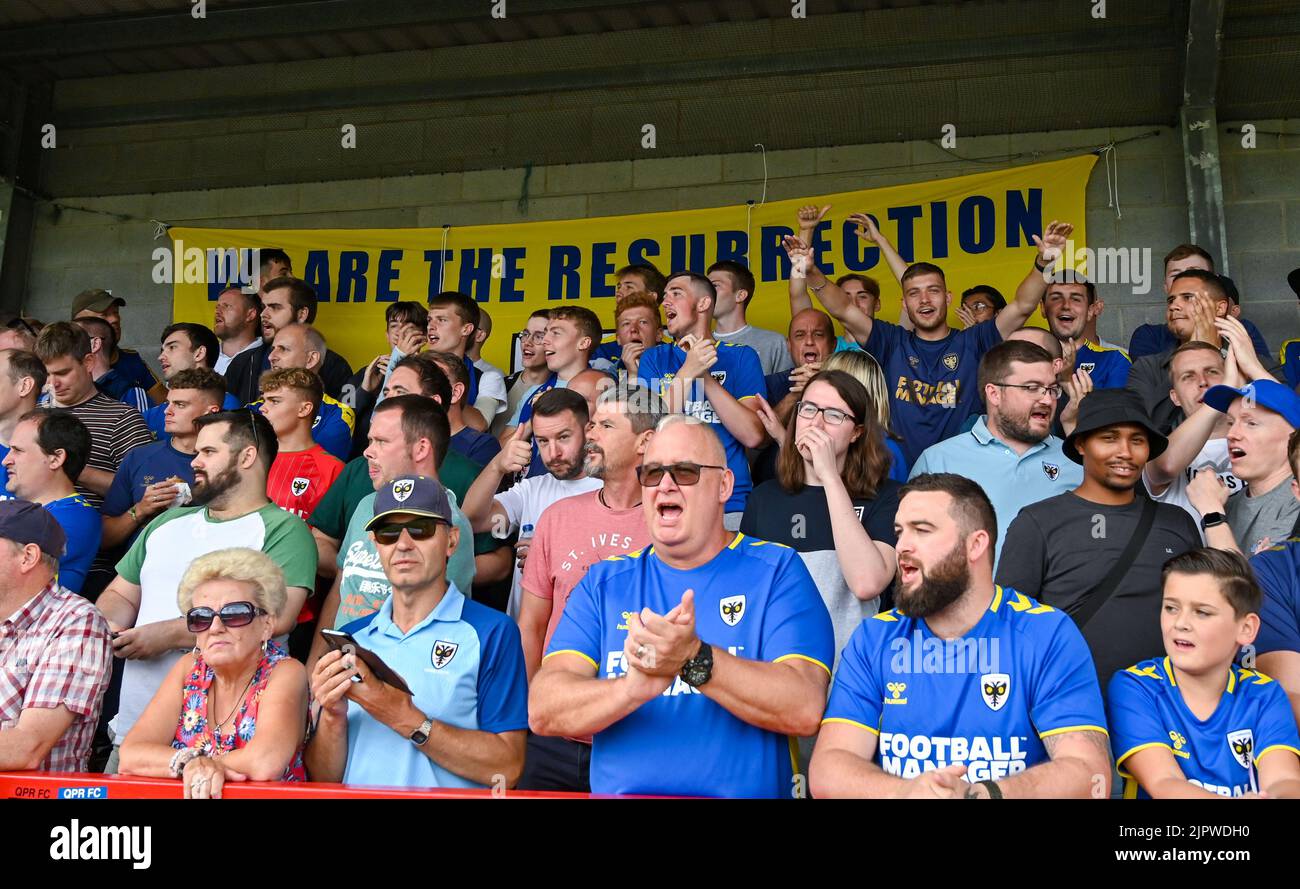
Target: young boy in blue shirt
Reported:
point(1194, 723)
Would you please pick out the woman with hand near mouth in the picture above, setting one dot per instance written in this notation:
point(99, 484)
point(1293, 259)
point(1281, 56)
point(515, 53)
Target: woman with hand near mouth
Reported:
point(834, 472)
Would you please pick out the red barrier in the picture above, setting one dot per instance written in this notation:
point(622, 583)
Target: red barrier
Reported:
point(88, 785)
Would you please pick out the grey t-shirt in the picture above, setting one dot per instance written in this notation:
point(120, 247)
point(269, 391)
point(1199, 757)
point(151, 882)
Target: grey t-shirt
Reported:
point(1059, 549)
point(1270, 515)
point(773, 353)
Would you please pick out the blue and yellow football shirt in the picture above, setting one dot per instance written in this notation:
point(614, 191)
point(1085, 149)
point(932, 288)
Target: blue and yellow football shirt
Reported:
point(1220, 754)
point(755, 600)
point(986, 700)
point(1108, 367)
point(738, 371)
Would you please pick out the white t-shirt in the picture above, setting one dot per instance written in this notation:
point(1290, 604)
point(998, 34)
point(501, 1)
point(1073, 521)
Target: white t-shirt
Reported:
point(158, 560)
point(524, 503)
point(1213, 455)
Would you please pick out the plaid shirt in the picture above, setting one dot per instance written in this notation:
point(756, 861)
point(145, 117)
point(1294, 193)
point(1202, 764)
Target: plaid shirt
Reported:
point(54, 651)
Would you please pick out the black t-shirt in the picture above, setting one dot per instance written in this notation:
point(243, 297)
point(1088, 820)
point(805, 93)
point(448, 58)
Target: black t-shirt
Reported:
point(1061, 548)
point(803, 522)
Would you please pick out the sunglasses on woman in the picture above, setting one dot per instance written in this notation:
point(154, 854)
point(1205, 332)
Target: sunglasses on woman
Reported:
point(233, 615)
point(419, 529)
point(684, 474)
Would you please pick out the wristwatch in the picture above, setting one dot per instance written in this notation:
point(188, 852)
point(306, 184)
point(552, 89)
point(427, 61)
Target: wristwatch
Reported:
point(1211, 519)
point(994, 791)
point(699, 669)
point(420, 736)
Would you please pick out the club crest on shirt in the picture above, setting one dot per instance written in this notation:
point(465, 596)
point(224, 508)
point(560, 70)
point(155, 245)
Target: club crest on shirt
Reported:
point(720, 376)
point(300, 485)
point(914, 361)
point(1089, 366)
point(1242, 744)
point(732, 609)
point(402, 489)
point(1051, 470)
point(950, 361)
point(995, 688)
point(443, 652)
point(315, 422)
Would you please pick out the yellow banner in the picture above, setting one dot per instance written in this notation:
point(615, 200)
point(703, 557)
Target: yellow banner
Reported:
point(978, 228)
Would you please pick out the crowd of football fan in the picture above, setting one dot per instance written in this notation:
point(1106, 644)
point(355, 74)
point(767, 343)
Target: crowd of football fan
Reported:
point(695, 557)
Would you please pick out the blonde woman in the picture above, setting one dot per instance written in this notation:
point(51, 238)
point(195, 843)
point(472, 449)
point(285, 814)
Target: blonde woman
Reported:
point(235, 708)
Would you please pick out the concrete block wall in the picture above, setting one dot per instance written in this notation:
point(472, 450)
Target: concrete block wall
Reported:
point(108, 243)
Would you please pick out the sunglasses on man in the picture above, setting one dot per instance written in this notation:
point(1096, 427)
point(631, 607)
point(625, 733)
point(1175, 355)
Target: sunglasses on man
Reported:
point(684, 473)
point(233, 615)
point(419, 529)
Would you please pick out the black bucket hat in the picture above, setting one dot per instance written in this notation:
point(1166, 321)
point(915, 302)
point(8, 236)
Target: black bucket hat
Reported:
point(1111, 407)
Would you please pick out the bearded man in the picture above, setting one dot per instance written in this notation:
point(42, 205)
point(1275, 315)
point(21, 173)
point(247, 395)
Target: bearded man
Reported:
point(229, 509)
point(965, 689)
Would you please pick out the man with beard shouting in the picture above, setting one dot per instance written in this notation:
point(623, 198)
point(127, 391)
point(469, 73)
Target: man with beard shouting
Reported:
point(966, 689)
point(231, 509)
point(1063, 549)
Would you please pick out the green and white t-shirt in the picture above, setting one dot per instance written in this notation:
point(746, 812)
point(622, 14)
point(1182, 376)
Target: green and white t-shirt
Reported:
point(163, 551)
point(363, 586)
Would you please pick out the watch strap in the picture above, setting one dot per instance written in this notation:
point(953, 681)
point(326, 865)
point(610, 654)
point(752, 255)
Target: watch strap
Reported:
point(1213, 520)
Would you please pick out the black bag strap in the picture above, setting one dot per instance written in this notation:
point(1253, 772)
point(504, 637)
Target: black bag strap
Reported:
point(1102, 592)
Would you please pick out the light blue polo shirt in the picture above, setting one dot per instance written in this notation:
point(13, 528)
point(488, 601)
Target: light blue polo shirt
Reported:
point(464, 664)
point(1011, 482)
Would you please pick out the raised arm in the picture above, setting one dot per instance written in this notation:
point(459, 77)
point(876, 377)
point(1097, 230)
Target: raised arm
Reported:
point(809, 217)
point(481, 507)
point(1029, 295)
point(840, 305)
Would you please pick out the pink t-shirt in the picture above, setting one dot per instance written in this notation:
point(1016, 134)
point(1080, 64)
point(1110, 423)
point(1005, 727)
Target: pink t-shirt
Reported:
point(572, 535)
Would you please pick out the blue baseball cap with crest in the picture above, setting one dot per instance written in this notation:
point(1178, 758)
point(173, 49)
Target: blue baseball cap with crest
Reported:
point(1268, 394)
point(411, 495)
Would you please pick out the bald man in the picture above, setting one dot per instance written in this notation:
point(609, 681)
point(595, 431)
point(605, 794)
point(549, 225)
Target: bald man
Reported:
point(692, 661)
point(301, 345)
point(811, 340)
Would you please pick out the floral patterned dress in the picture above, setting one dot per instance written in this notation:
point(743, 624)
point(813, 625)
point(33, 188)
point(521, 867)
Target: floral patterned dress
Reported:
point(195, 730)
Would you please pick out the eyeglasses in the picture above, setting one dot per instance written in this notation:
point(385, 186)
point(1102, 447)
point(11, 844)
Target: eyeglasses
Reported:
point(232, 614)
point(1034, 389)
point(684, 474)
point(834, 416)
point(536, 337)
point(419, 529)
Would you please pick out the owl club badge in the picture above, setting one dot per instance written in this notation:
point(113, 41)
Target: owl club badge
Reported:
point(732, 609)
point(443, 652)
point(994, 688)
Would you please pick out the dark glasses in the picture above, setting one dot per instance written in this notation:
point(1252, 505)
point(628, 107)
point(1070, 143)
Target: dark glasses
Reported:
point(684, 474)
point(419, 529)
point(233, 615)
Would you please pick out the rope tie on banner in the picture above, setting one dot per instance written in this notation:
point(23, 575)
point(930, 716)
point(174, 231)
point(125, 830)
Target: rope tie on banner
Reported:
point(159, 229)
point(1110, 157)
point(763, 149)
point(442, 266)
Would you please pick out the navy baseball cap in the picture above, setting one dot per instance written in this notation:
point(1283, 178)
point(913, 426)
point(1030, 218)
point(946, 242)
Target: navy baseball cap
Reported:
point(1266, 393)
point(25, 522)
point(411, 495)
